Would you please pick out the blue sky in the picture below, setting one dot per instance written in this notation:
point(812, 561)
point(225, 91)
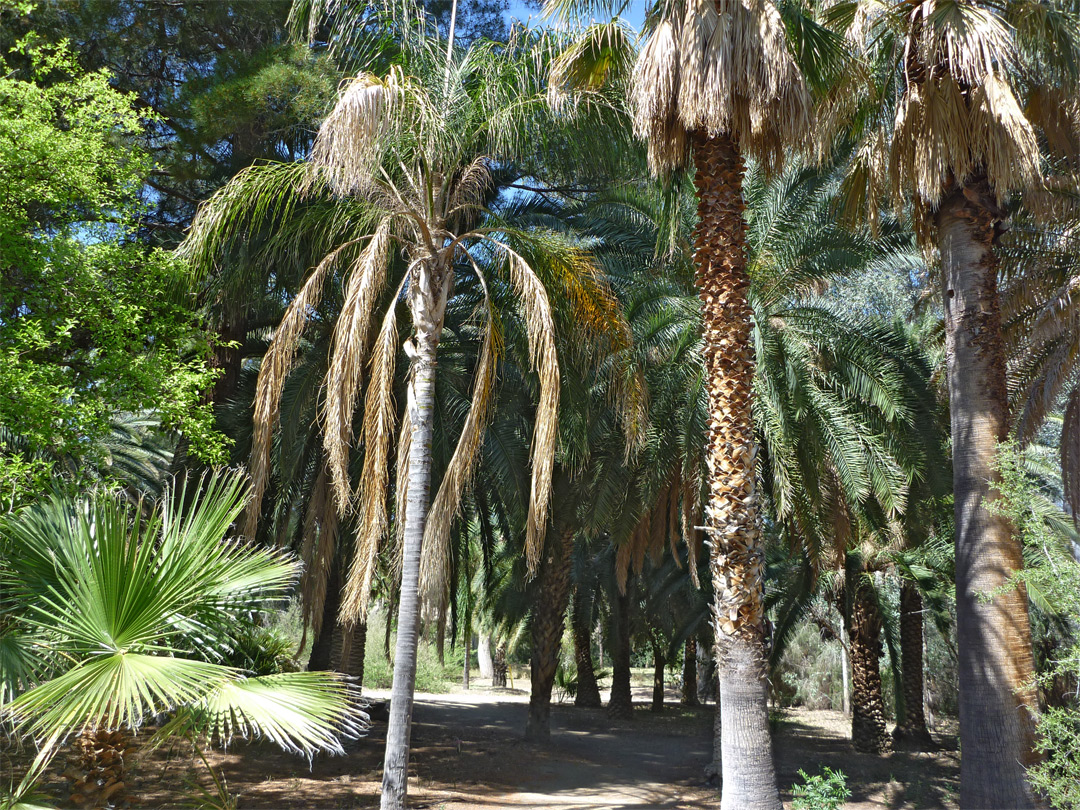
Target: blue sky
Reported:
point(635, 16)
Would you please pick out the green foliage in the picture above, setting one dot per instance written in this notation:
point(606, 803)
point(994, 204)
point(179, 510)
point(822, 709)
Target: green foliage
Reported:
point(93, 322)
point(431, 674)
point(1052, 578)
point(113, 613)
point(825, 791)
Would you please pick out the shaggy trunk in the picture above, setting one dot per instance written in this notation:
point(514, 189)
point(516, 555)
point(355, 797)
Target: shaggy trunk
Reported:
point(499, 667)
point(322, 649)
point(659, 662)
point(689, 673)
point(97, 772)
point(868, 732)
point(912, 727)
point(997, 702)
point(427, 304)
point(553, 591)
point(737, 554)
point(352, 652)
point(483, 656)
point(588, 692)
point(621, 702)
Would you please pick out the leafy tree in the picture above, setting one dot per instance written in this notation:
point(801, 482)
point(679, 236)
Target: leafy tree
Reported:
point(93, 322)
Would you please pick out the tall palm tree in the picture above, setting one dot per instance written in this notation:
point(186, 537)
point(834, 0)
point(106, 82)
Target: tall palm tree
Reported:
point(945, 114)
point(719, 81)
point(411, 153)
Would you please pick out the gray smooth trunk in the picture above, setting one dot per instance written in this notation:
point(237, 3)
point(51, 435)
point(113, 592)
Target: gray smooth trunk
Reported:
point(993, 635)
point(421, 403)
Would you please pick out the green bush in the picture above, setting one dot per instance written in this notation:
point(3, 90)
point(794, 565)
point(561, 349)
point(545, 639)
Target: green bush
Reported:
point(825, 791)
point(431, 675)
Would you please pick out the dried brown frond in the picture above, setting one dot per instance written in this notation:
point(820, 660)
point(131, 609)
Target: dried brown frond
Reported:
point(348, 148)
point(622, 565)
point(467, 194)
point(378, 432)
point(540, 327)
point(347, 357)
point(720, 67)
point(319, 544)
point(1070, 454)
point(673, 492)
point(690, 508)
point(435, 554)
point(274, 370)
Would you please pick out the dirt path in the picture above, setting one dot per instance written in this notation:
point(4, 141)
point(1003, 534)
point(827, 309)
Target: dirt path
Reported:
point(468, 754)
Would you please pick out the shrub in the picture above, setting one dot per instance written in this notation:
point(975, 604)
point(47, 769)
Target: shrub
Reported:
point(827, 790)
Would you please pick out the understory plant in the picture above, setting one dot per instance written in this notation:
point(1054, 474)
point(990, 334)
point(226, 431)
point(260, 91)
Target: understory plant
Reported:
point(114, 615)
point(827, 790)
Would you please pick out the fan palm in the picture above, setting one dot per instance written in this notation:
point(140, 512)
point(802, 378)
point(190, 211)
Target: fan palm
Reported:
point(409, 155)
point(718, 82)
point(945, 114)
point(115, 614)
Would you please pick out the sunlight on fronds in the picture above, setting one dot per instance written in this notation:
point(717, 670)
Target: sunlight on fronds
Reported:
point(435, 554)
point(540, 328)
point(273, 371)
point(321, 524)
point(367, 277)
point(378, 427)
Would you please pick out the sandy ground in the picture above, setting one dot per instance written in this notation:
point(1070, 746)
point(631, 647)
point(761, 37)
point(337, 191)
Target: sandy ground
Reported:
point(468, 754)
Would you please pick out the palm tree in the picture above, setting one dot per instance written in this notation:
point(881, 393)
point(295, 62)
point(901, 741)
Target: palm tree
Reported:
point(121, 612)
point(410, 155)
point(720, 82)
point(944, 114)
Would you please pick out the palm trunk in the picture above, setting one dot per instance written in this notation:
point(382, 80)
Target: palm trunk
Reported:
point(553, 591)
point(499, 667)
point(352, 654)
point(689, 673)
point(997, 701)
point(588, 691)
point(621, 702)
point(845, 669)
point(427, 322)
point(912, 728)
point(868, 732)
point(737, 555)
point(321, 658)
point(659, 662)
point(483, 656)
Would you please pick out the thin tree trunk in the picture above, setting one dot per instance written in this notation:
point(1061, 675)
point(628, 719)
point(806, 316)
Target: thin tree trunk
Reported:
point(845, 668)
point(997, 702)
point(912, 728)
point(659, 663)
point(588, 692)
point(483, 656)
point(499, 667)
point(737, 556)
point(868, 732)
point(321, 658)
point(689, 673)
point(621, 701)
point(421, 405)
point(552, 594)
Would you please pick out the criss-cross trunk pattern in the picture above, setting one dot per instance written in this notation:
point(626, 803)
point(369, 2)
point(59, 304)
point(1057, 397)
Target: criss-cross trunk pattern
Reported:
point(737, 554)
point(553, 593)
point(997, 699)
point(621, 702)
point(912, 729)
point(868, 731)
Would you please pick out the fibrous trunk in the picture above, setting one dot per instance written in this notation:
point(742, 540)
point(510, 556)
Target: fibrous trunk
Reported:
point(97, 771)
point(621, 702)
point(737, 556)
point(868, 731)
point(912, 727)
point(689, 673)
point(322, 649)
point(588, 691)
point(552, 595)
point(997, 702)
point(427, 308)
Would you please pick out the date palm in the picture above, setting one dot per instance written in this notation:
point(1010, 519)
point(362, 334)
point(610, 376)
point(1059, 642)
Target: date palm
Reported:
point(950, 117)
point(408, 156)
